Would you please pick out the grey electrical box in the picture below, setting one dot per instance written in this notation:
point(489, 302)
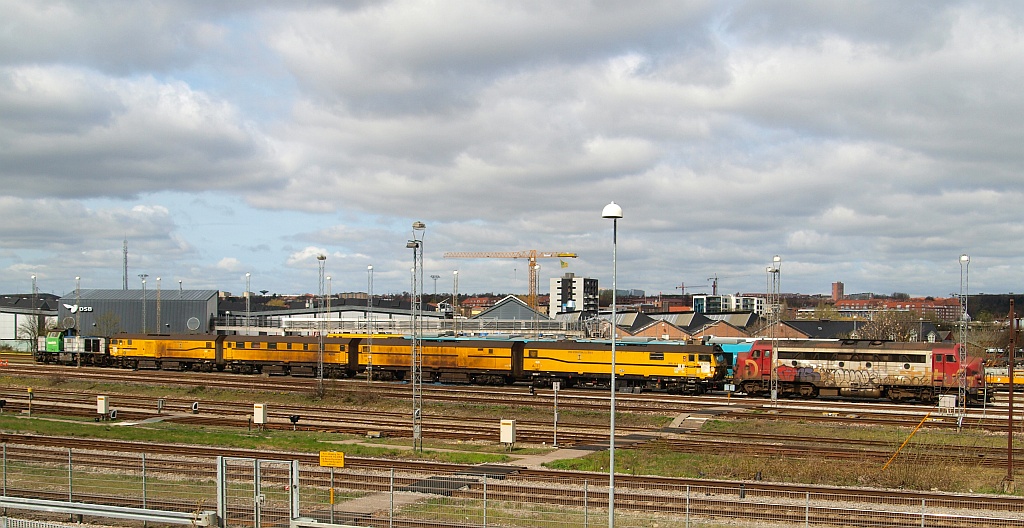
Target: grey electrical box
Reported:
point(259, 413)
point(508, 431)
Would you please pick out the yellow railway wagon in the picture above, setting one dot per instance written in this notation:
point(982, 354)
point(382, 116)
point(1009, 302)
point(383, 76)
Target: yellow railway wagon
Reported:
point(998, 378)
point(676, 368)
point(481, 361)
point(181, 352)
point(288, 355)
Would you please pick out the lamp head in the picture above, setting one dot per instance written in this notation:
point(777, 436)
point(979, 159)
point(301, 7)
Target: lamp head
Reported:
point(965, 258)
point(611, 210)
point(418, 226)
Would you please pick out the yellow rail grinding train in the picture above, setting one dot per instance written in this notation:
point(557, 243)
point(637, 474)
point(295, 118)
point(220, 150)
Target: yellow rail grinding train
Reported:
point(673, 367)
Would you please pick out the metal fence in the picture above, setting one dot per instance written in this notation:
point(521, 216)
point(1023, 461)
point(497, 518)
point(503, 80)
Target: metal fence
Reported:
point(256, 493)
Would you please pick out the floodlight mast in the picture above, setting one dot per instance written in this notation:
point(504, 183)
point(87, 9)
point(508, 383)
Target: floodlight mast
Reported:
point(321, 262)
point(961, 402)
point(774, 319)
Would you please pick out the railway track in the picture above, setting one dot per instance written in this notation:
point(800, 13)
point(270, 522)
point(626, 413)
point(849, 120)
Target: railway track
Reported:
point(635, 493)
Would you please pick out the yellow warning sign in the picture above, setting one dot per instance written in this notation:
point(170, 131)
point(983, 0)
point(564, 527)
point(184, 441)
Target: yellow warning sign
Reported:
point(332, 459)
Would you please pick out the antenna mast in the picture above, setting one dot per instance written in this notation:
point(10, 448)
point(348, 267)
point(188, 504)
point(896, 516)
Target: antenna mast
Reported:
point(126, 263)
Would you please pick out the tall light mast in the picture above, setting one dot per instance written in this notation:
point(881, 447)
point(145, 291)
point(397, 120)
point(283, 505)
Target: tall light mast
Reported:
point(961, 402)
point(321, 261)
point(416, 244)
point(774, 318)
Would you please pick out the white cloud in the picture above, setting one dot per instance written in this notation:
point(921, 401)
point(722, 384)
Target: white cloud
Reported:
point(229, 264)
point(852, 139)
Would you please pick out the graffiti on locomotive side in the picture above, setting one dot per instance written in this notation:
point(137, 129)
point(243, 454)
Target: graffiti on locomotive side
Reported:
point(840, 377)
point(808, 375)
point(843, 377)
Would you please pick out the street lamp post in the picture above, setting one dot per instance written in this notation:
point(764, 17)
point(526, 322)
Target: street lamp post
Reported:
point(369, 319)
point(159, 329)
point(416, 244)
point(35, 317)
point(455, 302)
point(247, 305)
point(613, 211)
point(78, 316)
point(143, 277)
point(321, 261)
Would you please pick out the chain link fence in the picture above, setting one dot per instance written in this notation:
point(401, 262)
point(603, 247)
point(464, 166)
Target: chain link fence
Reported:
point(387, 498)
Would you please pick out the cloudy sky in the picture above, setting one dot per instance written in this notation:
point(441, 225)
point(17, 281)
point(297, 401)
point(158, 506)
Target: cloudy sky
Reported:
point(865, 142)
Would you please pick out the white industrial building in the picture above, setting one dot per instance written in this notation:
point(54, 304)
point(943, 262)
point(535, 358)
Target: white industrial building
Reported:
point(727, 303)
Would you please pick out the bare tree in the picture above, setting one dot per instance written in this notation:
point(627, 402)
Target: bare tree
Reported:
point(890, 325)
point(107, 324)
point(32, 328)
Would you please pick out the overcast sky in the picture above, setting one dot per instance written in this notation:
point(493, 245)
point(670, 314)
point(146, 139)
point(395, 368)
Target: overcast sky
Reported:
point(865, 142)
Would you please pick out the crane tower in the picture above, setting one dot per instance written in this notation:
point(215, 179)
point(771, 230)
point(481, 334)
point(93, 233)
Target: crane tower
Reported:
point(531, 255)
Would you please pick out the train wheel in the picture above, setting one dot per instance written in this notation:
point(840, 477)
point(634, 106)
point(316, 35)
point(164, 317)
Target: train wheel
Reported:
point(807, 391)
point(926, 396)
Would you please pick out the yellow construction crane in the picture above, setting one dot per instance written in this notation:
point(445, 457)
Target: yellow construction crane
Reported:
point(532, 255)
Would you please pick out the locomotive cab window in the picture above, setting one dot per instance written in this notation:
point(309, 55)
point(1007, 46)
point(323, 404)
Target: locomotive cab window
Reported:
point(272, 346)
point(704, 357)
point(938, 358)
point(755, 354)
point(255, 345)
point(950, 358)
point(532, 353)
point(239, 344)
